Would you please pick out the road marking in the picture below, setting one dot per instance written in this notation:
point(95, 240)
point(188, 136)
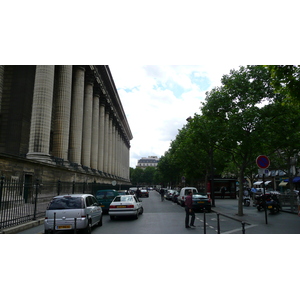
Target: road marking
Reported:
point(238, 229)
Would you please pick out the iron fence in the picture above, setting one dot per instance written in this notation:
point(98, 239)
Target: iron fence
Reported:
point(22, 202)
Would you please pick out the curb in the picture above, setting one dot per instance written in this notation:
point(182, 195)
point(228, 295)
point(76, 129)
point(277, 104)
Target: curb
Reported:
point(24, 226)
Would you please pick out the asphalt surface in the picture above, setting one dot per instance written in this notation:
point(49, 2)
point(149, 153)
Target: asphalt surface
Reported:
point(229, 221)
point(256, 222)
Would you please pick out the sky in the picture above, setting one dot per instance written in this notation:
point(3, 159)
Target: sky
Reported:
point(157, 100)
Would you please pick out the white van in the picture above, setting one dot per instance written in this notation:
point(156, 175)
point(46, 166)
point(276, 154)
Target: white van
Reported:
point(183, 193)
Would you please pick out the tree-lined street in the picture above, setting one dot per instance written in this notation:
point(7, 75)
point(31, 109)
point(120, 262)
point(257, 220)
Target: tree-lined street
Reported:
point(166, 217)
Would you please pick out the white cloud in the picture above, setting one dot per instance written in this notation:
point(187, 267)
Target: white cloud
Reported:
point(157, 100)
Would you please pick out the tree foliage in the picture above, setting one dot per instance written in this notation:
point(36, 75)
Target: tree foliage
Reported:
point(239, 120)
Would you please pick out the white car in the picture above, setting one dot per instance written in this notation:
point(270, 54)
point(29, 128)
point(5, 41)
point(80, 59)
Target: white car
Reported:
point(183, 193)
point(73, 212)
point(125, 205)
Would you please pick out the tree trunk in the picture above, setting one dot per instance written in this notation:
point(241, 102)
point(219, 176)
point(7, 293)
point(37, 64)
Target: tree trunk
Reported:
point(241, 192)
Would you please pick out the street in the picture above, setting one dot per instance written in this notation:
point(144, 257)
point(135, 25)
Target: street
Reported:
point(161, 217)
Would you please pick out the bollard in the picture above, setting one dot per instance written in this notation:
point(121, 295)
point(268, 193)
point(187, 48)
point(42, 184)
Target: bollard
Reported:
point(75, 224)
point(243, 227)
point(204, 219)
point(218, 218)
point(54, 221)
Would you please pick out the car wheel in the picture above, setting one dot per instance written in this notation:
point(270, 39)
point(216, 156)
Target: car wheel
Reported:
point(141, 210)
point(88, 228)
point(137, 215)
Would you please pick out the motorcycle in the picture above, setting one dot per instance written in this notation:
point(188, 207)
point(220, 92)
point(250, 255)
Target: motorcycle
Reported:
point(268, 201)
point(273, 204)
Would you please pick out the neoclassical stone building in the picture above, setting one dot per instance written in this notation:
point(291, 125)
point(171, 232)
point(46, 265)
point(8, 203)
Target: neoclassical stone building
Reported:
point(62, 122)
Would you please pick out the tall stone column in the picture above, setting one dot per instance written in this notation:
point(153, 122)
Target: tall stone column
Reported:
point(106, 140)
point(110, 145)
point(1, 84)
point(39, 141)
point(101, 136)
point(87, 122)
point(113, 148)
point(75, 142)
point(95, 131)
point(119, 154)
point(62, 112)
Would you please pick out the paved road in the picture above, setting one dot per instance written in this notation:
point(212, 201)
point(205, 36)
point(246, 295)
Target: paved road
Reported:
point(160, 218)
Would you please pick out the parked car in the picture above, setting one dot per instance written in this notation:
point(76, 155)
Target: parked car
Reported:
point(105, 197)
point(132, 190)
point(144, 193)
point(73, 212)
point(183, 193)
point(169, 194)
point(201, 202)
point(123, 192)
point(175, 196)
point(125, 205)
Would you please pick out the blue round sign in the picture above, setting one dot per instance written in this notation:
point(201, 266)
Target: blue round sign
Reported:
point(263, 161)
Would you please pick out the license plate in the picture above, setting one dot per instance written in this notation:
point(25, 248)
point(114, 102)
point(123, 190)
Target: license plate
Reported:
point(270, 206)
point(121, 206)
point(201, 202)
point(102, 205)
point(64, 227)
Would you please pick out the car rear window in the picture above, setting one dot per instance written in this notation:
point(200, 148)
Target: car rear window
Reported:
point(66, 203)
point(105, 194)
point(123, 199)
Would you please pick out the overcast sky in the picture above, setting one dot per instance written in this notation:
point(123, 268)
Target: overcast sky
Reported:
point(157, 100)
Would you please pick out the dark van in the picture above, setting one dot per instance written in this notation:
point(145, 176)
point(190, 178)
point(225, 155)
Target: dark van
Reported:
point(105, 197)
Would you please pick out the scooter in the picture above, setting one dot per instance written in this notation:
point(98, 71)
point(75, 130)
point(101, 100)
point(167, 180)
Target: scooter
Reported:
point(246, 198)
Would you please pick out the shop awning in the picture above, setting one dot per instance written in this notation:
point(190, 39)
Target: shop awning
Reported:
point(257, 183)
point(267, 182)
point(283, 183)
point(295, 179)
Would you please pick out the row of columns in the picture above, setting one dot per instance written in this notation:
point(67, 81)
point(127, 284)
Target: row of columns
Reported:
point(86, 130)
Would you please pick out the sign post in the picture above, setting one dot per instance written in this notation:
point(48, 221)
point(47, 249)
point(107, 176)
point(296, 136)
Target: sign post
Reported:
point(263, 162)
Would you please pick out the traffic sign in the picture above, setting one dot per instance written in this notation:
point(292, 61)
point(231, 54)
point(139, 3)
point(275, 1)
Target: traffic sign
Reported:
point(263, 162)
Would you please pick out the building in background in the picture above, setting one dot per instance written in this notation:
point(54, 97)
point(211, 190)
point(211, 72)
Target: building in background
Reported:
point(62, 123)
point(150, 161)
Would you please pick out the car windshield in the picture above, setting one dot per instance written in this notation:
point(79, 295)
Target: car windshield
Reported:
point(66, 203)
point(123, 199)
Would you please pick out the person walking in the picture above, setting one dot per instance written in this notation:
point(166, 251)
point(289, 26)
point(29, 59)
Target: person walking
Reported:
point(223, 190)
point(162, 193)
point(189, 210)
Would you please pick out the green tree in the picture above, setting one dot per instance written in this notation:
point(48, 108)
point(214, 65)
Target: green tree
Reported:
point(235, 107)
point(286, 81)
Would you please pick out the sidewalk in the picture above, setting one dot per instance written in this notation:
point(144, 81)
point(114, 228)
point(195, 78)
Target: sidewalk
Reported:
point(281, 223)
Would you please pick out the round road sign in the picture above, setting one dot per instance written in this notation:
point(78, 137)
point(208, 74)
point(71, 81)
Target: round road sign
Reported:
point(263, 161)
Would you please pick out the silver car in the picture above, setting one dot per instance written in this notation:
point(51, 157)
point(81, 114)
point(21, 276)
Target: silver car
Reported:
point(73, 212)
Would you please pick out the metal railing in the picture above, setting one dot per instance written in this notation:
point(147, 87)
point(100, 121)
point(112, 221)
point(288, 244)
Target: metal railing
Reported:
point(218, 222)
point(22, 202)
